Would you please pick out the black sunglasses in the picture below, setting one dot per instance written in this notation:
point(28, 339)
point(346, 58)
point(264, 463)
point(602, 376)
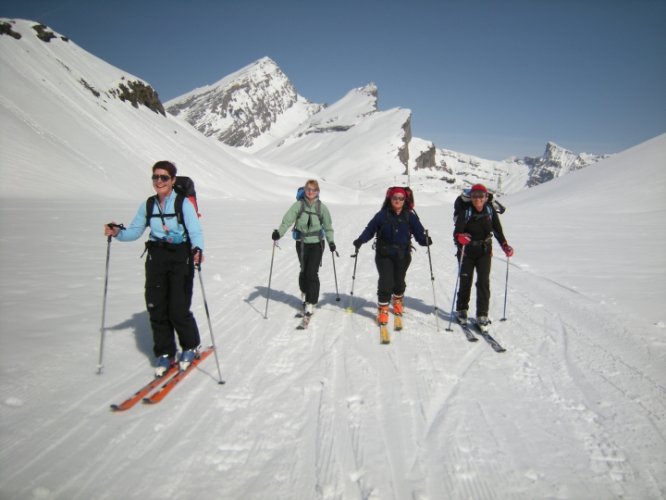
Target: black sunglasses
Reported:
point(162, 178)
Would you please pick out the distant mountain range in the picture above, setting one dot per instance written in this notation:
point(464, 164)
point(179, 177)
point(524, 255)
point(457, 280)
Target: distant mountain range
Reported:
point(259, 109)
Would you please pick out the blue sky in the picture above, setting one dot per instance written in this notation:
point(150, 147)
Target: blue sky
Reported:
point(492, 78)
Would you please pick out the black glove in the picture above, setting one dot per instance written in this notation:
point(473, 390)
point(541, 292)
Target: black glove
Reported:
point(331, 245)
point(357, 244)
point(275, 235)
point(428, 241)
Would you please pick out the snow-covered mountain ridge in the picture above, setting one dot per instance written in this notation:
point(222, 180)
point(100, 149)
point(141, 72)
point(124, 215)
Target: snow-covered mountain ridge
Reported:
point(260, 104)
point(59, 106)
point(258, 108)
point(350, 143)
point(121, 86)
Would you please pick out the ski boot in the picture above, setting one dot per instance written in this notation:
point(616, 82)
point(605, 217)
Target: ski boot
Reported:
point(382, 321)
point(186, 358)
point(398, 305)
point(398, 310)
point(483, 322)
point(164, 363)
point(382, 314)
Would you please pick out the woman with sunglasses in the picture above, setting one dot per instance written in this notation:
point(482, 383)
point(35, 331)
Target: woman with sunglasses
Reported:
point(474, 230)
point(173, 248)
point(393, 227)
point(312, 226)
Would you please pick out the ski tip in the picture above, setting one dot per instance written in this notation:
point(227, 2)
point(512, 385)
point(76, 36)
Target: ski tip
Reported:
point(115, 407)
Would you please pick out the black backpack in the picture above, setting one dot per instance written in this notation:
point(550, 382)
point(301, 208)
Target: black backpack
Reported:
point(463, 204)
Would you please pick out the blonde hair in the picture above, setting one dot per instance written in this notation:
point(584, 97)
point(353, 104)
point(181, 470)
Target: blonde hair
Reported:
point(312, 182)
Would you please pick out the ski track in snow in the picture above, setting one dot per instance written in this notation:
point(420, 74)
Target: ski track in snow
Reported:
point(575, 408)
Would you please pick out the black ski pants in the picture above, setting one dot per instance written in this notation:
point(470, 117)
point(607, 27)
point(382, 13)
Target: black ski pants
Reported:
point(392, 271)
point(309, 256)
point(169, 284)
point(477, 257)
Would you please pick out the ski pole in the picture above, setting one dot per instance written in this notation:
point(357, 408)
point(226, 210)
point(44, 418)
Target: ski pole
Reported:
point(455, 290)
point(100, 363)
point(335, 275)
point(270, 275)
point(432, 280)
point(351, 295)
point(506, 288)
point(210, 326)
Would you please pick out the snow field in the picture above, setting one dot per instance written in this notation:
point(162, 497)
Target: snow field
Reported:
point(575, 407)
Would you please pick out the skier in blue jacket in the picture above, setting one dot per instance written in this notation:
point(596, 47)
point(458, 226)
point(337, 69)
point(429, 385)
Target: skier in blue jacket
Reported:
point(173, 249)
point(393, 226)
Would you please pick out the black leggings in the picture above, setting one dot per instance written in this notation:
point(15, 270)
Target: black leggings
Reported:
point(309, 256)
point(169, 283)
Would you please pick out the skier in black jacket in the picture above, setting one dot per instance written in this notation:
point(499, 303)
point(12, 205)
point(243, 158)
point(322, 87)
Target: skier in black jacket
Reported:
point(475, 226)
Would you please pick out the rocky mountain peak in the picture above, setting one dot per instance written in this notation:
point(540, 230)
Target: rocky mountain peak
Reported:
point(242, 106)
point(555, 162)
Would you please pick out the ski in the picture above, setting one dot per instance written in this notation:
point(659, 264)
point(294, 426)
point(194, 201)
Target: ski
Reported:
point(468, 332)
point(146, 389)
point(384, 336)
point(166, 388)
point(488, 338)
point(305, 322)
point(397, 323)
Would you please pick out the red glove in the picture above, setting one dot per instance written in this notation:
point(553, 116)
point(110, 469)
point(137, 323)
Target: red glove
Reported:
point(463, 238)
point(507, 249)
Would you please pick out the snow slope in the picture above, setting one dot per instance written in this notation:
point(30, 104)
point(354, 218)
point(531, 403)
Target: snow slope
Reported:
point(605, 225)
point(59, 140)
point(576, 407)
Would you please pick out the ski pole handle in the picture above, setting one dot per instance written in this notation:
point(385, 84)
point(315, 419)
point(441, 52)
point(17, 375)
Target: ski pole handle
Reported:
point(112, 225)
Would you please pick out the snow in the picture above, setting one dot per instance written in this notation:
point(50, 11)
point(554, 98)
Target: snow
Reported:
point(576, 407)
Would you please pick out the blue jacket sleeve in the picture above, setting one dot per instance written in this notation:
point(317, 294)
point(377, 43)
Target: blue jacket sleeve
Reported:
point(136, 227)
